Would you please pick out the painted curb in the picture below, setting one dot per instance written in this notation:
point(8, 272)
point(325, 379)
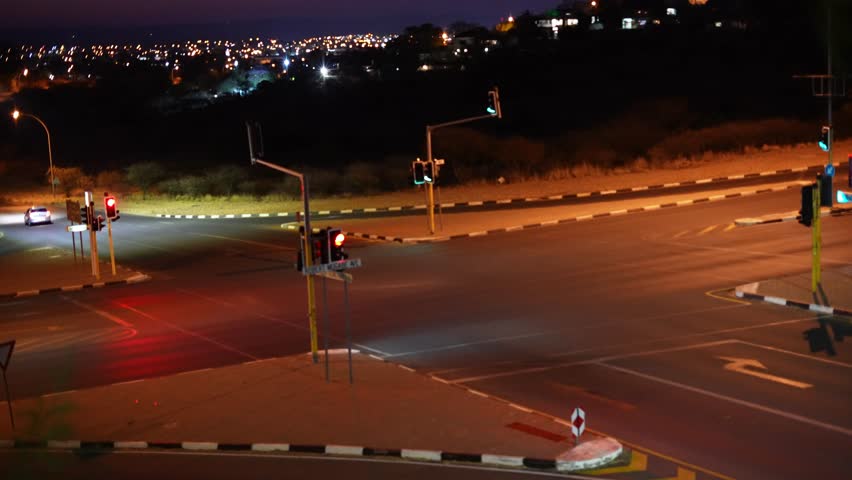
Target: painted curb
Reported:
point(812, 307)
point(598, 453)
point(581, 218)
point(489, 459)
point(789, 217)
point(137, 278)
point(507, 201)
point(435, 456)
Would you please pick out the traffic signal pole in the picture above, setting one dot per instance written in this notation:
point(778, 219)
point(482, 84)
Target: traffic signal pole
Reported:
point(429, 159)
point(307, 248)
point(111, 246)
point(830, 89)
point(430, 188)
point(816, 239)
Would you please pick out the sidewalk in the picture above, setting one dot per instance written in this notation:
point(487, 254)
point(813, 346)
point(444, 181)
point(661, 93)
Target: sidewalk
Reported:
point(47, 269)
point(413, 228)
point(286, 404)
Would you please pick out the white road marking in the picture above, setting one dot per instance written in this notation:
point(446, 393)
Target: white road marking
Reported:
point(146, 245)
point(250, 242)
point(205, 297)
point(102, 313)
point(741, 365)
point(467, 344)
point(188, 332)
point(90, 336)
point(788, 352)
point(659, 340)
point(719, 396)
point(585, 362)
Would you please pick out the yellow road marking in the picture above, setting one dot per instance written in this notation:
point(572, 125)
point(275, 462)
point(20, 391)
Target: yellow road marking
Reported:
point(638, 463)
point(730, 227)
point(711, 293)
point(681, 234)
point(682, 474)
point(637, 449)
point(707, 230)
point(662, 455)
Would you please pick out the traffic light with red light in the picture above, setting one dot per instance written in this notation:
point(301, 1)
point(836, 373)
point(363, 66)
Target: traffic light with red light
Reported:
point(111, 207)
point(336, 239)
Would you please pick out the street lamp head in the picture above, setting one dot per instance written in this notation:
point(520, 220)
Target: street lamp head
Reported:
point(16, 114)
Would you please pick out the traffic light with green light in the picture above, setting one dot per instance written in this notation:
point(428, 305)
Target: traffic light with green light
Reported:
point(493, 107)
point(418, 168)
point(429, 171)
point(335, 240)
point(825, 138)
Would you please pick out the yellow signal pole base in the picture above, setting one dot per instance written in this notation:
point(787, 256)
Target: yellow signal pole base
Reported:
point(312, 304)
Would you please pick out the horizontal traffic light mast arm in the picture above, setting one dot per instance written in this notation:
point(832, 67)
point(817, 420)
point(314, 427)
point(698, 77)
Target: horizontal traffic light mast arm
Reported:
point(457, 122)
point(273, 166)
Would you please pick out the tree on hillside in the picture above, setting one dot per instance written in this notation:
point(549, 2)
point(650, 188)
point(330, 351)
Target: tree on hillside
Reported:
point(145, 175)
point(68, 178)
point(226, 179)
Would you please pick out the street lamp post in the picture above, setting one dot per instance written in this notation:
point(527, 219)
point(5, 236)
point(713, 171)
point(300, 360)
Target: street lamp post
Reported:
point(18, 114)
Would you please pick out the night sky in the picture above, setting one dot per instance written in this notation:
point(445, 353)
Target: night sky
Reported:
point(324, 16)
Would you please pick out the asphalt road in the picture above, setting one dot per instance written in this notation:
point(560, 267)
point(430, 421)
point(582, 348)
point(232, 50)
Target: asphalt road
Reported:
point(147, 465)
point(625, 316)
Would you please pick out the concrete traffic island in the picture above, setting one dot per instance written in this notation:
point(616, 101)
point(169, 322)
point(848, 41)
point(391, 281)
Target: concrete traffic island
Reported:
point(286, 405)
point(833, 297)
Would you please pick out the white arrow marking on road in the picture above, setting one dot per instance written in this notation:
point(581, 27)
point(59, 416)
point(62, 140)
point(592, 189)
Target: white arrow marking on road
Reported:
point(741, 365)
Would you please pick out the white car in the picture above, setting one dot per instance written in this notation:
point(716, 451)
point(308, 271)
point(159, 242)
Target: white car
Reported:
point(37, 215)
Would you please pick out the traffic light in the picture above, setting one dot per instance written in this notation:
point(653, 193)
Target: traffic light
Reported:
point(494, 103)
point(418, 168)
point(825, 138)
point(84, 215)
point(429, 171)
point(316, 248)
point(806, 214)
point(335, 240)
point(98, 223)
point(842, 329)
point(818, 340)
point(825, 190)
point(110, 204)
